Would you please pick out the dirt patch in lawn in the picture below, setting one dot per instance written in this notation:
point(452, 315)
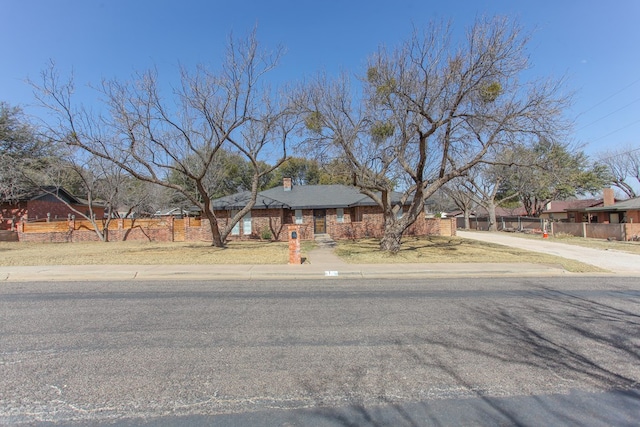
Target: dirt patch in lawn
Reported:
point(450, 249)
point(144, 253)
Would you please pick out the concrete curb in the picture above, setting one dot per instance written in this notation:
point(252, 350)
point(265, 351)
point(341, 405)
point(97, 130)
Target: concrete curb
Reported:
point(140, 273)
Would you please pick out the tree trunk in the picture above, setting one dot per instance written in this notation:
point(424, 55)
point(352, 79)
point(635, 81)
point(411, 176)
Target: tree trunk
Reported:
point(493, 226)
point(467, 222)
point(390, 241)
point(217, 240)
point(102, 235)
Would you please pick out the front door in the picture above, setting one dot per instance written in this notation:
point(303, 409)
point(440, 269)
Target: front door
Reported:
point(319, 221)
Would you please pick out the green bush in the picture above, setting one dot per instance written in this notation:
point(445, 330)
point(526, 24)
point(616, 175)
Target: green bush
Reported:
point(265, 234)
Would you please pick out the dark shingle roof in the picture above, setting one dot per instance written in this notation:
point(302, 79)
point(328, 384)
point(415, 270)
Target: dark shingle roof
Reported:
point(625, 205)
point(50, 192)
point(301, 197)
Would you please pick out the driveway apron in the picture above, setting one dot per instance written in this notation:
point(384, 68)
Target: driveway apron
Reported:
point(614, 261)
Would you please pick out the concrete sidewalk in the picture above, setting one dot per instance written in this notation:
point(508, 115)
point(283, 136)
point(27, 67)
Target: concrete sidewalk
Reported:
point(268, 272)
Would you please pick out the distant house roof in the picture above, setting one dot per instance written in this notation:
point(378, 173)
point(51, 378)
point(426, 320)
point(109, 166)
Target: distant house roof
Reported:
point(301, 197)
point(177, 211)
point(55, 194)
point(500, 211)
point(624, 205)
point(560, 206)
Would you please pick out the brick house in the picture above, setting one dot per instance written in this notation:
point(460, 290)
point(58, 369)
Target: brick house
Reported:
point(569, 210)
point(337, 210)
point(44, 204)
point(625, 211)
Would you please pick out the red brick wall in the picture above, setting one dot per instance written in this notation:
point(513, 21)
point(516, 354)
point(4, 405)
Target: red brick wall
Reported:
point(10, 211)
point(633, 217)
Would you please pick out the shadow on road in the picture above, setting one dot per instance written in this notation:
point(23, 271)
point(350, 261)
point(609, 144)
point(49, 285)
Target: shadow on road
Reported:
point(572, 358)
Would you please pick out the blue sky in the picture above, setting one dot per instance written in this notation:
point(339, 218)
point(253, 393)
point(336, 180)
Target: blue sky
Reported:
point(595, 44)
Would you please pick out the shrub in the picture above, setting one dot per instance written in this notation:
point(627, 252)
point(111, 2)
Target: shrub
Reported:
point(265, 234)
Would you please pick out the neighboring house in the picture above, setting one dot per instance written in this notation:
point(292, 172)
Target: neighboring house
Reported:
point(176, 212)
point(557, 210)
point(569, 210)
point(46, 203)
point(625, 211)
point(338, 210)
point(617, 220)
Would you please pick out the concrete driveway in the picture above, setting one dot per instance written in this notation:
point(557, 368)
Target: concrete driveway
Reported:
point(615, 261)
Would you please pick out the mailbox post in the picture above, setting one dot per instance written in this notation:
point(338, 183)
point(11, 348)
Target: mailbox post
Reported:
point(294, 245)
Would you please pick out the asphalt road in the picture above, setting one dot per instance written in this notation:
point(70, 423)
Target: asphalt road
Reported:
point(431, 352)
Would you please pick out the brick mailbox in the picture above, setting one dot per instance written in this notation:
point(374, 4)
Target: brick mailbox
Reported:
point(294, 245)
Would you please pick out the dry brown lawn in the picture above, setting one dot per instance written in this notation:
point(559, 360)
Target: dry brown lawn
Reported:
point(450, 249)
point(414, 250)
point(145, 253)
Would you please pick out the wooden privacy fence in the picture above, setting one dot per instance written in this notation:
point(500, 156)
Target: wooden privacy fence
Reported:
point(72, 230)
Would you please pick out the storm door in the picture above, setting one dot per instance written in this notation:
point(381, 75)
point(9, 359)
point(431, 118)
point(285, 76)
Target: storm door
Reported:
point(319, 221)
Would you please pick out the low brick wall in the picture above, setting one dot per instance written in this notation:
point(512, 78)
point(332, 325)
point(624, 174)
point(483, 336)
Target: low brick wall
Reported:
point(598, 231)
point(8, 236)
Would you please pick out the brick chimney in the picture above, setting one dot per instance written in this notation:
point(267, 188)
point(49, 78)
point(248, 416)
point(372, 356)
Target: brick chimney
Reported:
point(608, 197)
point(286, 183)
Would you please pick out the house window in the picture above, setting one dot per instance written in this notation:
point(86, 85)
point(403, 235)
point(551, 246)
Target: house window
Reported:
point(298, 216)
point(356, 215)
point(235, 231)
point(340, 215)
point(399, 213)
point(246, 224)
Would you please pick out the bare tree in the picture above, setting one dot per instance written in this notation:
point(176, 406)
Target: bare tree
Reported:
point(100, 183)
point(430, 111)
point(623, 165)
point(231, 109)
point(486, 187)
point(462, 197)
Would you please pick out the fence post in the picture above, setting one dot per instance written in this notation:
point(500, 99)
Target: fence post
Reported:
point(584, 230)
